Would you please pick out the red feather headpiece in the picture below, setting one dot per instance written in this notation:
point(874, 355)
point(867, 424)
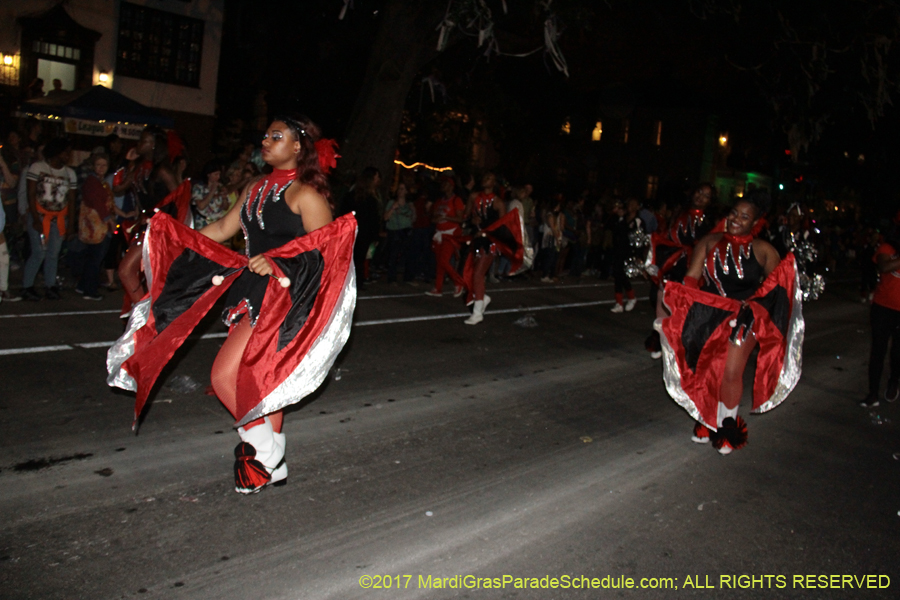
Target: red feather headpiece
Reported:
point(328, 156)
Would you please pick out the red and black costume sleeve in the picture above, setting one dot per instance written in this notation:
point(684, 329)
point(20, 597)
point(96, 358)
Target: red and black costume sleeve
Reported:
point(299, 331)
point(671, 248)
point(695, 341)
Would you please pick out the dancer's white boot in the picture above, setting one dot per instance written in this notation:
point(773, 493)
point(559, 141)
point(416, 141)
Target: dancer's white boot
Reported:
point(259, 459)
point(478, 311)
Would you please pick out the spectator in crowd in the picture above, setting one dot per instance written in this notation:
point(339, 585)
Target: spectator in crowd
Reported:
point(595, 232)
point(16, 163)
point(96, 217)
point(579, 244)
point(7, 181)
point(363, 199)
point(33, 139)
point(35, 89)
point(179, 166)
point(51, 197)
point(421, 259)
point(209, 196)
point(57, 89)
point(115, 149)
point(399, 215)
point(551, 238)
point(648, 219)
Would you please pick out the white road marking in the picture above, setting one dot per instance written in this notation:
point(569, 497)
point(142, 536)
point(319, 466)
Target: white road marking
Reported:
point(488, 313)
point(223, 334)
point(75, 313)
point(63, 314)
point(497, 290)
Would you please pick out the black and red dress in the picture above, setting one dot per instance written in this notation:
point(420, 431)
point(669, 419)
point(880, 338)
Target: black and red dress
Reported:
point(735, 300)
point(298, 330)
point(267, 223)
point(496, 236)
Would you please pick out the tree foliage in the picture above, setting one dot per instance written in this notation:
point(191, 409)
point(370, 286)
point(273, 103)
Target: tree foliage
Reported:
point(815, 62)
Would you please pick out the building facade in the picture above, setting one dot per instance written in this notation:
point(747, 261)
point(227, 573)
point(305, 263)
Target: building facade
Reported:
point(161, 53)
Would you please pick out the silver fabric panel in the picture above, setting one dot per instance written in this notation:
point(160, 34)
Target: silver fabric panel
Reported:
point(527, 250)
point(793, 358)
point(145, 256)
point(672, 378)
point(123, 349)
point(315, 366)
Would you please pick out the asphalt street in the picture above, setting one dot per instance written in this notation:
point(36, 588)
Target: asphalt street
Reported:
point(445, 461)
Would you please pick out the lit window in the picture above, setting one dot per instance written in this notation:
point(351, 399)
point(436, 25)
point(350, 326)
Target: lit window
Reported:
point(566, 128)
point(723, 140)
point(159, 46)
point(598, 131)
point(658, 133)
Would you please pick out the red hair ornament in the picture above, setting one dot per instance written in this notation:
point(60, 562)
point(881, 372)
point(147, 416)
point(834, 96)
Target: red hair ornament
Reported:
point(328, 156)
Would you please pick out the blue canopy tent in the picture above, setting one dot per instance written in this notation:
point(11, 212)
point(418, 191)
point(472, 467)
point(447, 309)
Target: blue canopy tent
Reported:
point(95, 111)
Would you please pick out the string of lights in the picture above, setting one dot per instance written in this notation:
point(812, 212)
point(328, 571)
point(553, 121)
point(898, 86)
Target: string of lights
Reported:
point(421, 164)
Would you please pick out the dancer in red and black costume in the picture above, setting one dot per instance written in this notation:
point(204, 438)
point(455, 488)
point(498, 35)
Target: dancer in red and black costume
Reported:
point(484, 209)
point(671, 250)
point(283, 335)
point(737, 293)
point(448, 214)
point(798, 236)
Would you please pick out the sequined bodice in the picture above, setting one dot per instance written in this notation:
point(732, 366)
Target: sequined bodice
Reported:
point(685, 230)
point(484, 207)
point(266, 219)
point(731, 268)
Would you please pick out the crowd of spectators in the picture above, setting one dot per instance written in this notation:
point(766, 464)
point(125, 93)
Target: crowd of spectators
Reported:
point(54, 209)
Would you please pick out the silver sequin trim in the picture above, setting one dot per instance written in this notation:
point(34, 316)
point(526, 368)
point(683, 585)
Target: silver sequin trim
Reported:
point(123, 349)
point(732, 257)
point(233, 314)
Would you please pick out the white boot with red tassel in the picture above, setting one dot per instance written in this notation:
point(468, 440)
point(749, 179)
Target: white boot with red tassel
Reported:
point(259, 459)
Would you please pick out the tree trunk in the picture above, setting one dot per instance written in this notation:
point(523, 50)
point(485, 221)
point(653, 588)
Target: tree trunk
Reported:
point(405, 43)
